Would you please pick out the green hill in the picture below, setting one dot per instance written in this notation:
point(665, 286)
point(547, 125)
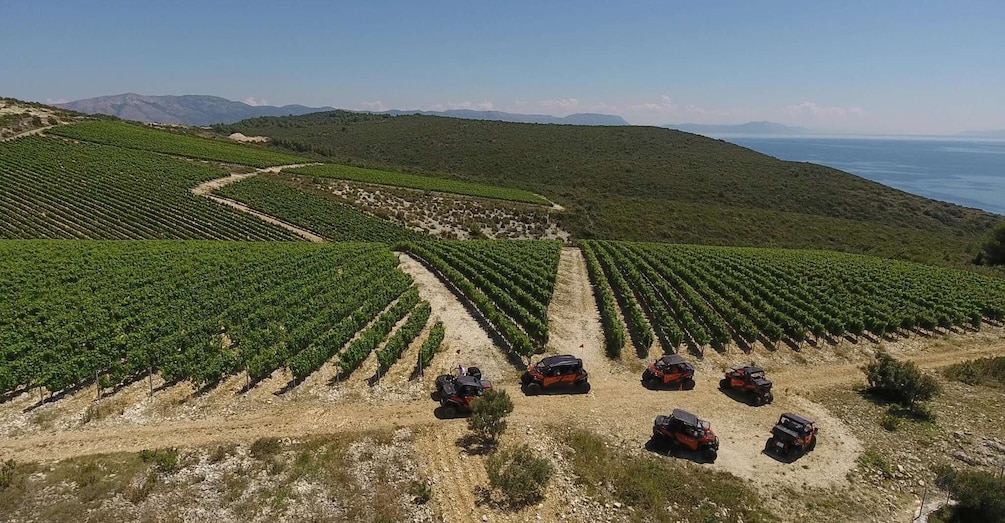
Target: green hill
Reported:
point(646, 183)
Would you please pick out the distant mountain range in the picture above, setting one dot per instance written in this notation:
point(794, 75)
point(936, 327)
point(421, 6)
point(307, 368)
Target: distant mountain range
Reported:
point(206, 110)
point(185, 110)
point(749, 128)
point(572, 119)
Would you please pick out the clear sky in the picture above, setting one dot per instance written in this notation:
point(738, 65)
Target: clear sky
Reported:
point(885, 66)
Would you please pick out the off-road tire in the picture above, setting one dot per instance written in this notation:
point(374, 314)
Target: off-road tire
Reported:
point(583, 386)
point(688, 384)
point(449, 411)
point(812, 445)
point(770, 445)
point(724, 384)
point(768, 398)
point(533, 389)
point(709, 455)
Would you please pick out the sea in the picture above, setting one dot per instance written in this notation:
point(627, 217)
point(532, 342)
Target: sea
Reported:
point(968, 172)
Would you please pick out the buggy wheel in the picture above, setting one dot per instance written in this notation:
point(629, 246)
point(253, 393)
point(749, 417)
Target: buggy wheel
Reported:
point(709, 455)
point(770, 445)
point(812, 445)
point(688, 384)
point(758, 400)
point(533, 389)
point(449, 411)
point(769, 397)
point(723, 384)
point(583, 386)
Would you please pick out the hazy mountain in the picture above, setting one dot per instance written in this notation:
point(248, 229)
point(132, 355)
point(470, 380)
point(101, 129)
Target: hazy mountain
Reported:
point(994, 134)
point(765, 128)
point(187, 109)
point(572, 119)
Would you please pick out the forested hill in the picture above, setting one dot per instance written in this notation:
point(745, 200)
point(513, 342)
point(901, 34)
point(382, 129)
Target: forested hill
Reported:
point(647, 183)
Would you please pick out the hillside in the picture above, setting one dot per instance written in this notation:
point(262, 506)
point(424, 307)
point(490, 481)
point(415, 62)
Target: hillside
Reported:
point(644, 183)
point(184, 110)
point(499, 116)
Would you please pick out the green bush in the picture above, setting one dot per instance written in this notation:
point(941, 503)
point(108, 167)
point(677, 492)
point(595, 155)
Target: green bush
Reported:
point(488, 415)
point(519, 474)
point(165, 460)
point(890, 422)
point(984, 371)
point(265, 447)
point(980, 495)
point(7, 473)
point(899, 381)
point(994, 246)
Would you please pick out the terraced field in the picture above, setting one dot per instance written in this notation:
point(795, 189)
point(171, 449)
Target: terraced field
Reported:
point(703, 296)
point(52, 188)
point(510, 282)
point(138, 136)
point(317, 212)
point(425, 183)
point(197, 311)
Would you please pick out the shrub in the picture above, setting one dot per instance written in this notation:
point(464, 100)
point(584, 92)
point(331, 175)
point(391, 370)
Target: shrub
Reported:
point(7, 473)
point(890, 422)
point(165, 460)
point(420, 491)
point(265, 447)
point(519, 474)
point(488, 415)
point(899, 381)
point(984, 371)
point(980, 495)
point(994, 246)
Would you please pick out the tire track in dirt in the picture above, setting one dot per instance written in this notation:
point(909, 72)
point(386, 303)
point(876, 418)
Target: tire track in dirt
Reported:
point(573, 319)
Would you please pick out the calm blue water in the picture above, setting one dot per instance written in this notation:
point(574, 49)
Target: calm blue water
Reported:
point(967, 172)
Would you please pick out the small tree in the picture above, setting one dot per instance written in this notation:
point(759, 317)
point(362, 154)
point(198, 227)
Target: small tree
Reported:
point(519, 474)
point(994, 246)
point(900, 381)
point(488, 415)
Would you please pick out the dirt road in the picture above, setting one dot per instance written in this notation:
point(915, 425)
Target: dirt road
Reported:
point(206, 189)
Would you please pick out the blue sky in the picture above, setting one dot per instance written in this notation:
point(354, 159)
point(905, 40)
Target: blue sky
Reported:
point(877, 66)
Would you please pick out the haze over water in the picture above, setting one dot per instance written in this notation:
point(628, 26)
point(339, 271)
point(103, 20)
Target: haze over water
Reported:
point(966, 172)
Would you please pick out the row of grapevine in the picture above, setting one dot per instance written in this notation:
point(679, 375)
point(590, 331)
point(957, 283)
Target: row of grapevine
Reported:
point(55, 189)
point(195, 311)
point(356, 353)
point(432, 345)
point(638, 326)
point(404, 336)
point(315, 211)
point(512, 292)
point(716, 295)
point(614, 329)
point(138, 136)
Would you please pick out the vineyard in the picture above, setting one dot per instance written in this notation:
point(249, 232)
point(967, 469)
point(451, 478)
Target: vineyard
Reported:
point(425, 183)
point(76, 312)
point(509, 282)
point(56, 189)
point(712, 296)
point(138, 136)
point(315, 211)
